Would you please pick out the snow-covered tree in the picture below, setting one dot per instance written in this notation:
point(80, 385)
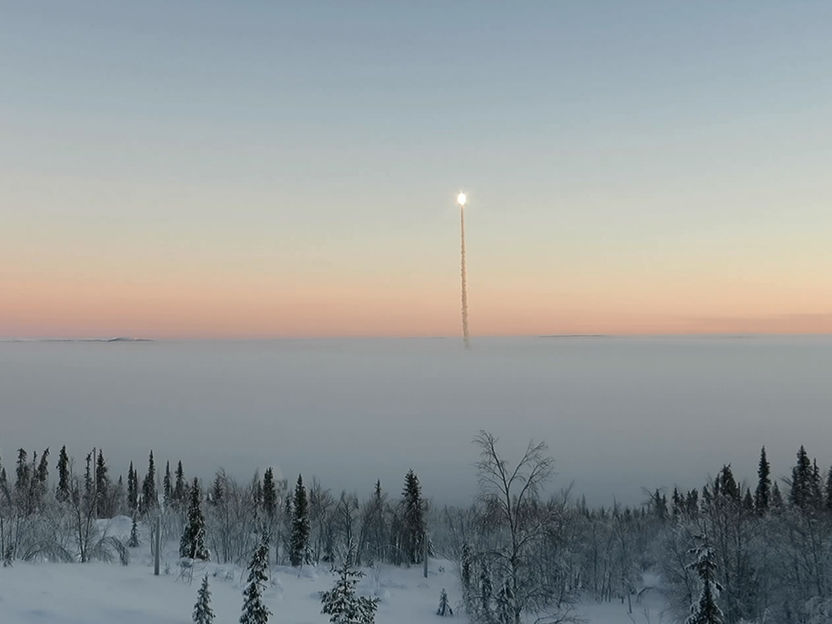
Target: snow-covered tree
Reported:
point(800, 491)
point(132, 489)
point(62, 492)
point(412, 519)
point(762, 495)
point(299, 552)
point(519, 523)
point(192, 544)
point(179, 486)
point(133, 542)
point(341, 603)
point(167, 486)
point(705, 610)
point(254, 611)
point(444, 606)
point(149, 498)
point(203, 614)
point(269, 496)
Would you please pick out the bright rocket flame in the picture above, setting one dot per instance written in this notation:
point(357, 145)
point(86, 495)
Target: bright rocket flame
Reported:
point(461, 199)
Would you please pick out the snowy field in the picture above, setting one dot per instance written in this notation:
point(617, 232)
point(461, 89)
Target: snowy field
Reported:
point(108, 593)
point(98, 593)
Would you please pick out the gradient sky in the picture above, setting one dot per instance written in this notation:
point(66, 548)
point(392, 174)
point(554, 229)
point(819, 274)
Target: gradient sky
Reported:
point(258, 168)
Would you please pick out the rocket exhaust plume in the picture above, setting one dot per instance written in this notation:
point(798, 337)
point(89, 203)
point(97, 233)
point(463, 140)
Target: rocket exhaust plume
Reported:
point(461, 200)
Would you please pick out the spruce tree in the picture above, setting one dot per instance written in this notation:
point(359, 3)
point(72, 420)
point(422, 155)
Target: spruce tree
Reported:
point(133, 542)
point(776, 497)
point(102, 487)
point(748, 502)
point(180, 486)
point(89, 482)
point(413, 521)
point(192, 544)
point(269, 496)
point(705, 610)
point(299, 548)
point(23, 474)
point(444, 606)
point(726, 485)
point(167, 488)
point(40, 481)
point(762, 495)
point(341, 603)
point(254, 611)
point(815, 487)
point(800, 493)
point(149, 499)
point(203, 614)
point(62, 492)
point(132, 489)
point(829, 490)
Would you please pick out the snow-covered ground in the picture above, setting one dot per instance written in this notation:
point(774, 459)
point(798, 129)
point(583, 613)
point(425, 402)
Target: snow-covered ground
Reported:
point(99, 593)
point(108, 593)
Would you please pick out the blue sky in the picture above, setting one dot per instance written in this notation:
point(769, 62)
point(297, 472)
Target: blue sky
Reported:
point(599, 136)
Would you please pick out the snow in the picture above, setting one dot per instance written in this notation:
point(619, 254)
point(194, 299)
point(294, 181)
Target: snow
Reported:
point(99, 593)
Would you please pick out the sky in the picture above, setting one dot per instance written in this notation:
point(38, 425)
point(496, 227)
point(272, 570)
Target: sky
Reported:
point(257, 169)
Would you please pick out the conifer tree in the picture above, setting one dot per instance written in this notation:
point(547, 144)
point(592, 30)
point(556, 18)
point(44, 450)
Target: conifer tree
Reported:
point(102, 487)
point(192, 544)
point(133, 542)
point(829, 490)
point(40, 480)
point(149, 499)
point(89, 482)
point(412, 518)
point(705, 610)
point(800, 492)
point(269, 495)
point(815, 487)
point(132, 489)
point(776, 497)
point(167, 488)
point(748, 502)
point(180, 486)
point(254, 611)
point(203, 614)
point(762, 495)
point(23, 474)
point(299, 548)
point(341, 603)
point(725, 484)
point(444, 606)
point(62, 492)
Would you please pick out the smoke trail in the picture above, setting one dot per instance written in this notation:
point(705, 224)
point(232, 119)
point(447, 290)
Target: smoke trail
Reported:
point(464, 280)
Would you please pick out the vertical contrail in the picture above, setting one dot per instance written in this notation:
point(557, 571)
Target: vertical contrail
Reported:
point(463, 271)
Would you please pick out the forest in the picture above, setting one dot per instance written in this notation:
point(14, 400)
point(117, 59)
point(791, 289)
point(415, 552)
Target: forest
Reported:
point(729, 551)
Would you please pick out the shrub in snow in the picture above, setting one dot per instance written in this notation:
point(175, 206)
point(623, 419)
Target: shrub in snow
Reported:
point(133, 542)
point(705, 610)
point(203, 614)
point(192, 544)
point(341, 603)
point(254, 611)
point(444, 607)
